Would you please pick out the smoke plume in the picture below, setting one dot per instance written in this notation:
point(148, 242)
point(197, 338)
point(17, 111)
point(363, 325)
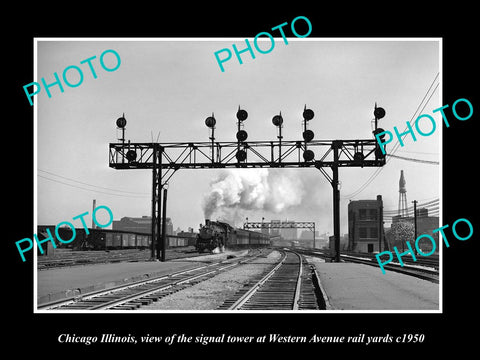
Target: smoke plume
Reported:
point(233, 193)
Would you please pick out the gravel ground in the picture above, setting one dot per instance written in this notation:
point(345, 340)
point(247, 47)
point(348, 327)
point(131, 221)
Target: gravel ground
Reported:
point(211, 293)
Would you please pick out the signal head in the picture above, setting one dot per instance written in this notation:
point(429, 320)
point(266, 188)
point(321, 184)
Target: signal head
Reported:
point(121, 122)
point(308, 135)
point(242, 135)
point(358, 157)
point(379, 112)
point(210, 121)
point(131, 155)
point(277, 120)
point(242, 114)
point(379, 154)
point(308, 114)
point(378, 131)
point(308, 155)
point(241, 155)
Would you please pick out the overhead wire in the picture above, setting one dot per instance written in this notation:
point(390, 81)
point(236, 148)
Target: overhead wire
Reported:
point(397, 144)
point(433, 205)
point(415, 160)
point(121, 193)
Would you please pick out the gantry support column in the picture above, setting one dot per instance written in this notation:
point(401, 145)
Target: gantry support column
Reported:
point(336, 200)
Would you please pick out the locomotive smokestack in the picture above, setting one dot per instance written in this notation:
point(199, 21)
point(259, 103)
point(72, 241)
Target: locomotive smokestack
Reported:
point(207, 222)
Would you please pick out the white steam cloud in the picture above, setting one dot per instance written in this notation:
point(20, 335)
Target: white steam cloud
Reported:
point(238, 191)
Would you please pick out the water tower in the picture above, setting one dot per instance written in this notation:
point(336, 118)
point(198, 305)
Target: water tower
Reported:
point(402, 196)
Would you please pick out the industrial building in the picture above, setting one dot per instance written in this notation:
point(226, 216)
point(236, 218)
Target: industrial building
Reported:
point(140, 224)
point(365, 225)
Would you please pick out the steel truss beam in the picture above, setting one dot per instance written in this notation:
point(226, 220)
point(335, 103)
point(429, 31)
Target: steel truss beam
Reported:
point(280, 225)
point(285, 154)
point(166, 158)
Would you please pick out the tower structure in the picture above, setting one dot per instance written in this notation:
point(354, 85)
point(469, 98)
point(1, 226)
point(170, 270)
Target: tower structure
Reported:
point(164, 159)
point(402, 196)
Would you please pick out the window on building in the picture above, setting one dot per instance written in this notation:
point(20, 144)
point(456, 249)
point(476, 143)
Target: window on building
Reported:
point(362, 214)
point(372, 214)
point(373, 232)
point(362, 233)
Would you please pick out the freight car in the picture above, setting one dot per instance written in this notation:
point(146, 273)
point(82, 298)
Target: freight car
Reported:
point(216, 235)
point(105, 239)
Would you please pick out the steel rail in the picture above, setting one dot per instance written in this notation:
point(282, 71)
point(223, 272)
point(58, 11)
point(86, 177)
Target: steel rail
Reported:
point(217, 267)
point(296, 298)
point(421, 273)
point(243, 299)
point(273, 293)
point(138, 295)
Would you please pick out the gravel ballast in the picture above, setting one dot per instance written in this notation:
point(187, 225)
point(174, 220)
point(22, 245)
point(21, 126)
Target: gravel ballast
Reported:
point(211, 293)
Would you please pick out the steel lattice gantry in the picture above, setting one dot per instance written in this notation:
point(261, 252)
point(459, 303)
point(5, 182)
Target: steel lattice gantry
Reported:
point(282, 225)
point(166, 158)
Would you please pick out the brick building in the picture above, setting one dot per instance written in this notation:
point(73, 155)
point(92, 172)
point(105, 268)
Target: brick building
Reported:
point(365, 225)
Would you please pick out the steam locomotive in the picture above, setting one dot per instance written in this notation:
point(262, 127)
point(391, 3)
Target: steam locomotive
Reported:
point(214, 236)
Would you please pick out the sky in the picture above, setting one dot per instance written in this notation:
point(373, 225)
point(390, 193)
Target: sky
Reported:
point(167, 87)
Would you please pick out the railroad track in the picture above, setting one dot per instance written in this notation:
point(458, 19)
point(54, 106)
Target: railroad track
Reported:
point(287, 286)
point(421, 273)
point(134, 295)
point(415, 271)
point(74, 258)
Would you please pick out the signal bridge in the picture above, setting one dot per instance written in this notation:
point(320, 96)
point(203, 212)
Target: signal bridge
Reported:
point(166, 158)
point(282, 225)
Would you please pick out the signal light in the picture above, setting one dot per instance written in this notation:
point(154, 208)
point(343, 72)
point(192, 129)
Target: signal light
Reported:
point(308, 135)
point(131, 155)
point(241, 114)
point(277, 120)
point(378, 112)
point(308, 114)
point(121, 122)
point(358, 157)
point(241, 155)
point(242, 135)
point(379, 154)
point(308, 155)
point(210, 121)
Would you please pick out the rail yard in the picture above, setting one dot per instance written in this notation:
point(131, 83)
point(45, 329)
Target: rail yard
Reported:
point(254, 279)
